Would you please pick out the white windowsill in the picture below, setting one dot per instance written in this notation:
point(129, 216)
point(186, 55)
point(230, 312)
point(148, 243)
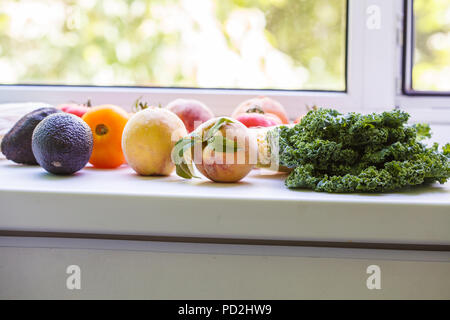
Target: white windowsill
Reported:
point(118, 202)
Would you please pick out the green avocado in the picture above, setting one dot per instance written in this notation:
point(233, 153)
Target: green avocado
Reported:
point(16, 144)
point(62, 143)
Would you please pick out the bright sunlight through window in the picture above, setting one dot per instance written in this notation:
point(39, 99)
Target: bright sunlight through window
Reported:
point(431, 71)
point(248, 44)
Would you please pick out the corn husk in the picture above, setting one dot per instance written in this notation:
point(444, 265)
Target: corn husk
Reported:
point(267, 141)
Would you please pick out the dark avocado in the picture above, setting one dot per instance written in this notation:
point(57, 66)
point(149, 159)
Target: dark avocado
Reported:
point(16, 144)
point(62, 143)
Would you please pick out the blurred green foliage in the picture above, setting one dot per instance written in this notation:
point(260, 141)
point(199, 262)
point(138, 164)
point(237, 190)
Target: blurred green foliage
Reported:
point(294, 44)
point(278, 44)
point(431, 71)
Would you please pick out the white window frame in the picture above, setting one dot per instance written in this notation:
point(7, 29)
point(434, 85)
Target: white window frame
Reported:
point(374, 77)
point(428, 107)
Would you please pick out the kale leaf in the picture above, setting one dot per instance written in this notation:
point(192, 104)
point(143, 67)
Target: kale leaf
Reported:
point(332, 152)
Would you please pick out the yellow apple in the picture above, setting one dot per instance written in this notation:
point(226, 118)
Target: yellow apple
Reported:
point(148, 139)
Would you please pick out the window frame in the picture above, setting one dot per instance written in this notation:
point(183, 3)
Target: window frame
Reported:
point(374, 77)
point(222, 101)
point(408, 55)
point(433, 107)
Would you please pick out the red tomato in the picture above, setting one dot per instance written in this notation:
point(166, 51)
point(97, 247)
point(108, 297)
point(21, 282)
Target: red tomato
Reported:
point(274, 117)
point(256, 120)
point(262, 105)
point(73, 108)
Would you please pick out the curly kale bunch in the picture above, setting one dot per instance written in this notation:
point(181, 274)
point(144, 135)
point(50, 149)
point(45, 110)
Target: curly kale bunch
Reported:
point(332, 152)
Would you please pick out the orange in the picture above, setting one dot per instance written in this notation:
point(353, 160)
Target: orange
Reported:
point(107, 123)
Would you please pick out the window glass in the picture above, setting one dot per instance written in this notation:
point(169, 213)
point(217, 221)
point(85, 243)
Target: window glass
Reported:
point(251, 44)
point(431, 63)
